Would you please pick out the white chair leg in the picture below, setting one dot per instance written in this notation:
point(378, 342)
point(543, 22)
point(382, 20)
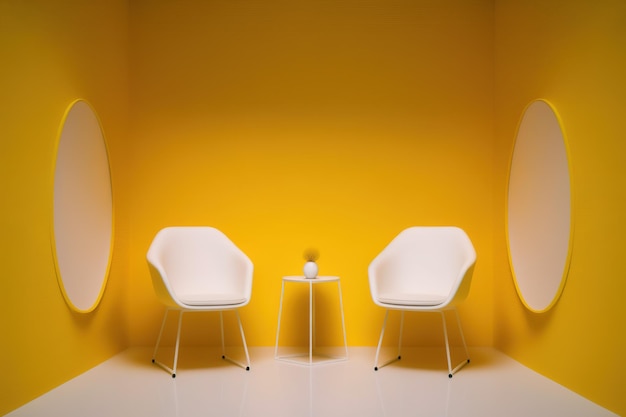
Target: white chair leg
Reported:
point(222, 335)
point(445, 334)
point(156, 348)
point(172, 370)
point(243, 339)
point(246, 365)
point(180, 325)
point(380, 342)
point(458, 320)
point(401, 332)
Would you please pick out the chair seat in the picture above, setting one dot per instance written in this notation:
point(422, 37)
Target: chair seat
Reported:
point(211, 299)
point(412, 299)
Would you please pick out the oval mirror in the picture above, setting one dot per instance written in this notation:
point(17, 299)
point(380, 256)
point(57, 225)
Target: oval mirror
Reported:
point(539, 218)
point(83, 209)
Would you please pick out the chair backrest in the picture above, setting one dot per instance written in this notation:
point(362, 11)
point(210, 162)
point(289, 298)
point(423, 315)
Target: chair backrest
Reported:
point(432, 261)
point(191, 262)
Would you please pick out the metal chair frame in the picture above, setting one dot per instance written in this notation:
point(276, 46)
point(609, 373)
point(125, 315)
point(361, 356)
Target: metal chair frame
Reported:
point(451, 371)
point(172, 370)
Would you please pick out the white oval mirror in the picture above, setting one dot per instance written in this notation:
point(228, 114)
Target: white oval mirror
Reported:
point(83, 210)
point(539, 218)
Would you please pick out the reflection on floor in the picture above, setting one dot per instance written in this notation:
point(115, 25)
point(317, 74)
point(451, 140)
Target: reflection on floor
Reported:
point(418, 385)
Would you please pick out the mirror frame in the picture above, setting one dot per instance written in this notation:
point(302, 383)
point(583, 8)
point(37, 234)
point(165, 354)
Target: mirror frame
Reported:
point(539, 214)
point(82, 208)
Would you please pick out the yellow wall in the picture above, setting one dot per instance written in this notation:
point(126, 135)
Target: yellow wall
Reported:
point(53, 53)
point(326, 124)
point(572, 54)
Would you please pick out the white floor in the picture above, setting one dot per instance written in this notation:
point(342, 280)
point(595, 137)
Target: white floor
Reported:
point(418, 385)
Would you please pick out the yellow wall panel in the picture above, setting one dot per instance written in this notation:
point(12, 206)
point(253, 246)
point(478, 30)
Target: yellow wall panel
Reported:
point(572, 54)
point(53, 53)
point(296, 124)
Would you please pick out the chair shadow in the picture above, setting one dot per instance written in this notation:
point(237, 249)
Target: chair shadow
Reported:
point(189, 358)
point(434, 358)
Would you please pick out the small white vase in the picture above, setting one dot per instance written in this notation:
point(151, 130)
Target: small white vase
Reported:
point(310, 269)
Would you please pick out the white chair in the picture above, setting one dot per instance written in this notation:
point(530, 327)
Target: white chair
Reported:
point(423, 269)
point(199, 269)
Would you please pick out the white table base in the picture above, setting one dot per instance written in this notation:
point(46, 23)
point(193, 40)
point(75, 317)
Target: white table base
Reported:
point(313, 357)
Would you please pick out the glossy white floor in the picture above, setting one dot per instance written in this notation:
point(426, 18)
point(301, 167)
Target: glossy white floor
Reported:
point(418, 385)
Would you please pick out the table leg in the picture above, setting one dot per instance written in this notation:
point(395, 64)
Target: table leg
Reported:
point(310, 323)
point(314, 318)
point(343, 323)
point(280, 311)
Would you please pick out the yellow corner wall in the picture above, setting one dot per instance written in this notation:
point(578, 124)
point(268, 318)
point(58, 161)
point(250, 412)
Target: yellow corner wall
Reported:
point(332, 125)
point(53, 53)
point(572, 54)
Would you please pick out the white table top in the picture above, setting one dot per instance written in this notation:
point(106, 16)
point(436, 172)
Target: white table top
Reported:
point(302, 278)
